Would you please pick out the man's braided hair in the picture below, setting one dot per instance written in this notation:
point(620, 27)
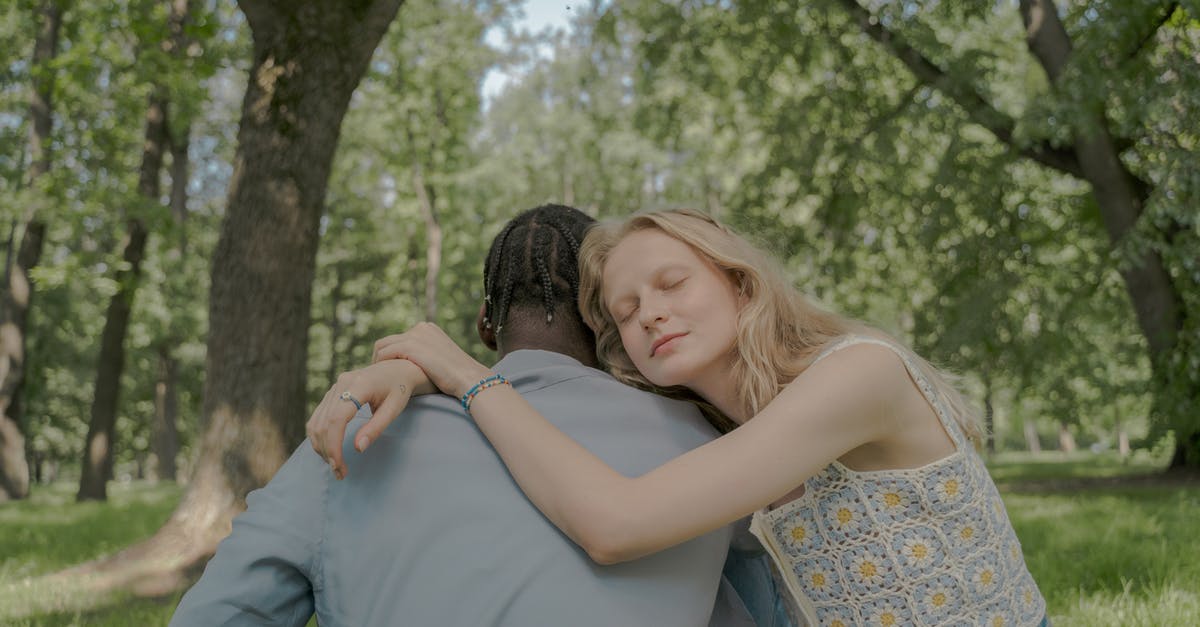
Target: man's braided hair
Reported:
point(535, 260)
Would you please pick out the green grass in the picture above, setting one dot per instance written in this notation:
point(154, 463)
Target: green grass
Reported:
point(1102, 554)
point(1011, 467)
point(1106, 555)
point(51, 531)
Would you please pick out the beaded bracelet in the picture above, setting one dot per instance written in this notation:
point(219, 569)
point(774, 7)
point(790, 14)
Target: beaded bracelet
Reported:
point(484, 384)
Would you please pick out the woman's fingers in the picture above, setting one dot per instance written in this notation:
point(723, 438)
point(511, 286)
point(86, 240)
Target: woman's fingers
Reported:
point(387, 348)
point(327, 427)
point(315, 422)
point(382, 416)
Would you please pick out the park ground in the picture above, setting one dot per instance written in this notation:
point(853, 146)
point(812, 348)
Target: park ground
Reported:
point(1110, 542)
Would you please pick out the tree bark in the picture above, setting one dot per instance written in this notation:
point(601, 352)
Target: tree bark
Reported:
point(1066, 441)
point(166, 414)
point(308, 59)
point(568, 183)
point(99, 448)
point(1031, 437)
point(17, 288)
point(989, 417)
point(335, 324)
point(427, 199)
point(180, 171)
point(165, 432)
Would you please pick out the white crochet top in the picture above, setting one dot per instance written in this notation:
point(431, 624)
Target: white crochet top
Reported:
point(922, 546)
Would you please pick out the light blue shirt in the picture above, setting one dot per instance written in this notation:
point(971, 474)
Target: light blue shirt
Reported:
point(429, 529)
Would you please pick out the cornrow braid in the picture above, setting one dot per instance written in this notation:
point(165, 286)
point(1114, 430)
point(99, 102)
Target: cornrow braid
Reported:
point(489, 279)
point(535, 261)
point(573, 243)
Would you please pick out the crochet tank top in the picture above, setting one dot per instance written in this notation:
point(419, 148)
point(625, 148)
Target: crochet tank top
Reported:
point(922, 546)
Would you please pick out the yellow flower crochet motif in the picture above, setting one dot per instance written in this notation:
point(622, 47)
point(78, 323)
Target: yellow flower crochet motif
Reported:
point(922, 546)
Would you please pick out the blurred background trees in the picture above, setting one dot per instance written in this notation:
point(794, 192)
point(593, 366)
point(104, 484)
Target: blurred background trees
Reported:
point(1009, 186)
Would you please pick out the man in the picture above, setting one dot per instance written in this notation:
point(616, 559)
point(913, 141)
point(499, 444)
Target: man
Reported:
point(429, 529)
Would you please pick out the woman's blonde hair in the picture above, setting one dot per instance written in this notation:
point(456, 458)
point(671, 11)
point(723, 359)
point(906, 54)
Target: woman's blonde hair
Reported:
point(779, 332)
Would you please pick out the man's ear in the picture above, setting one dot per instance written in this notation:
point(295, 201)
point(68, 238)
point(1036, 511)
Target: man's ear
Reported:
point(487, 332)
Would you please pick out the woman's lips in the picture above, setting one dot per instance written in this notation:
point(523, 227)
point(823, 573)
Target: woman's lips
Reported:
point(663, 341)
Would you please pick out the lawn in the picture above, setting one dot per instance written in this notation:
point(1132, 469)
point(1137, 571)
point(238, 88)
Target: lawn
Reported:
point(1106, 549)
point(1106, 552)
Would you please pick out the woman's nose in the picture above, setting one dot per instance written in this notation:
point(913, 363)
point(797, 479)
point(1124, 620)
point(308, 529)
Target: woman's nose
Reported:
point(652, 311)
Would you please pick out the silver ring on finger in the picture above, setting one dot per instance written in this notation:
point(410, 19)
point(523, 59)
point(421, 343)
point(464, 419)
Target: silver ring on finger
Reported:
point(347, 396)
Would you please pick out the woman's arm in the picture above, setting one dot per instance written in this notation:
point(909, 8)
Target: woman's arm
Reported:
point(839, 404)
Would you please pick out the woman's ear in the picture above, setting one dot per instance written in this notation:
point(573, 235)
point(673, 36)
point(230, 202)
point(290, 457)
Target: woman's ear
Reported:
point(487, 332)
point(742, 283)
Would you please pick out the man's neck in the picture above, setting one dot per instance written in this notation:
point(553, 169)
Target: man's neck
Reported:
point(582, 351)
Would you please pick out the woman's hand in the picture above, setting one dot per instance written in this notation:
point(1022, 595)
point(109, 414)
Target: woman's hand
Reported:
point(386, 386)
point(447, 366)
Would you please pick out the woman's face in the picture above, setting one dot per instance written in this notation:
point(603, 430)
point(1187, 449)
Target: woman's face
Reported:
point(676, 312)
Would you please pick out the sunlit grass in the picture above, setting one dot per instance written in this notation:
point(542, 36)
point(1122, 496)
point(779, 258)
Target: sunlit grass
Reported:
point(51, 531)
point(1107, 555)
point(1017, 466)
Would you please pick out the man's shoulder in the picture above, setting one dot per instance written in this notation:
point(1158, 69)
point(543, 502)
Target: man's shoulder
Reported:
point(532, 370)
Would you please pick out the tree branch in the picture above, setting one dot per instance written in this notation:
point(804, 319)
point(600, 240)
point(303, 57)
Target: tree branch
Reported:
point(1166, 17)
point(977, 108)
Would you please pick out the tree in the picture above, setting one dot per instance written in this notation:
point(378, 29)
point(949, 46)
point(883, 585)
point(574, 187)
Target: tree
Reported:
point(17, 289)
point(307, 60)
point(1166, 319)
point(891, 145)
point(101, 439)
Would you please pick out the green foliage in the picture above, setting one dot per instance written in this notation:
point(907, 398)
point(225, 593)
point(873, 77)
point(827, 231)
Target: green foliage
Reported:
point(891, 201)
point(110, 58)
point(884, 197)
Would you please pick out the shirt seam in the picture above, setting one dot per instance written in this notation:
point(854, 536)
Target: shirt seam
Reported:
point(529, 390)
point(317, 562)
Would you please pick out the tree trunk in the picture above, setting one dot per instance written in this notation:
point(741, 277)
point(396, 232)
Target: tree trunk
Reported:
point(427, 199)
point(17, 287)
point(99, 447)
point(335, 324)
point(180, 141)
point(1121, 197)
point(568, 182)
point(1031, 437)
point(166, 413)
point(989, 417)
point(308, 59)
point(165, 434)
point(413, 263)
point(1066, 441)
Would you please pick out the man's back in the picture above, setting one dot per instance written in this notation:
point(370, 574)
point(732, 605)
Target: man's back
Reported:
point(429, 529)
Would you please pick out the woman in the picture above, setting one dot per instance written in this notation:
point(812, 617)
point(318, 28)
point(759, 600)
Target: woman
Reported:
point(853, 455)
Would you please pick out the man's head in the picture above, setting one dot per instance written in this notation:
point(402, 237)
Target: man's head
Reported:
point(531, 285)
